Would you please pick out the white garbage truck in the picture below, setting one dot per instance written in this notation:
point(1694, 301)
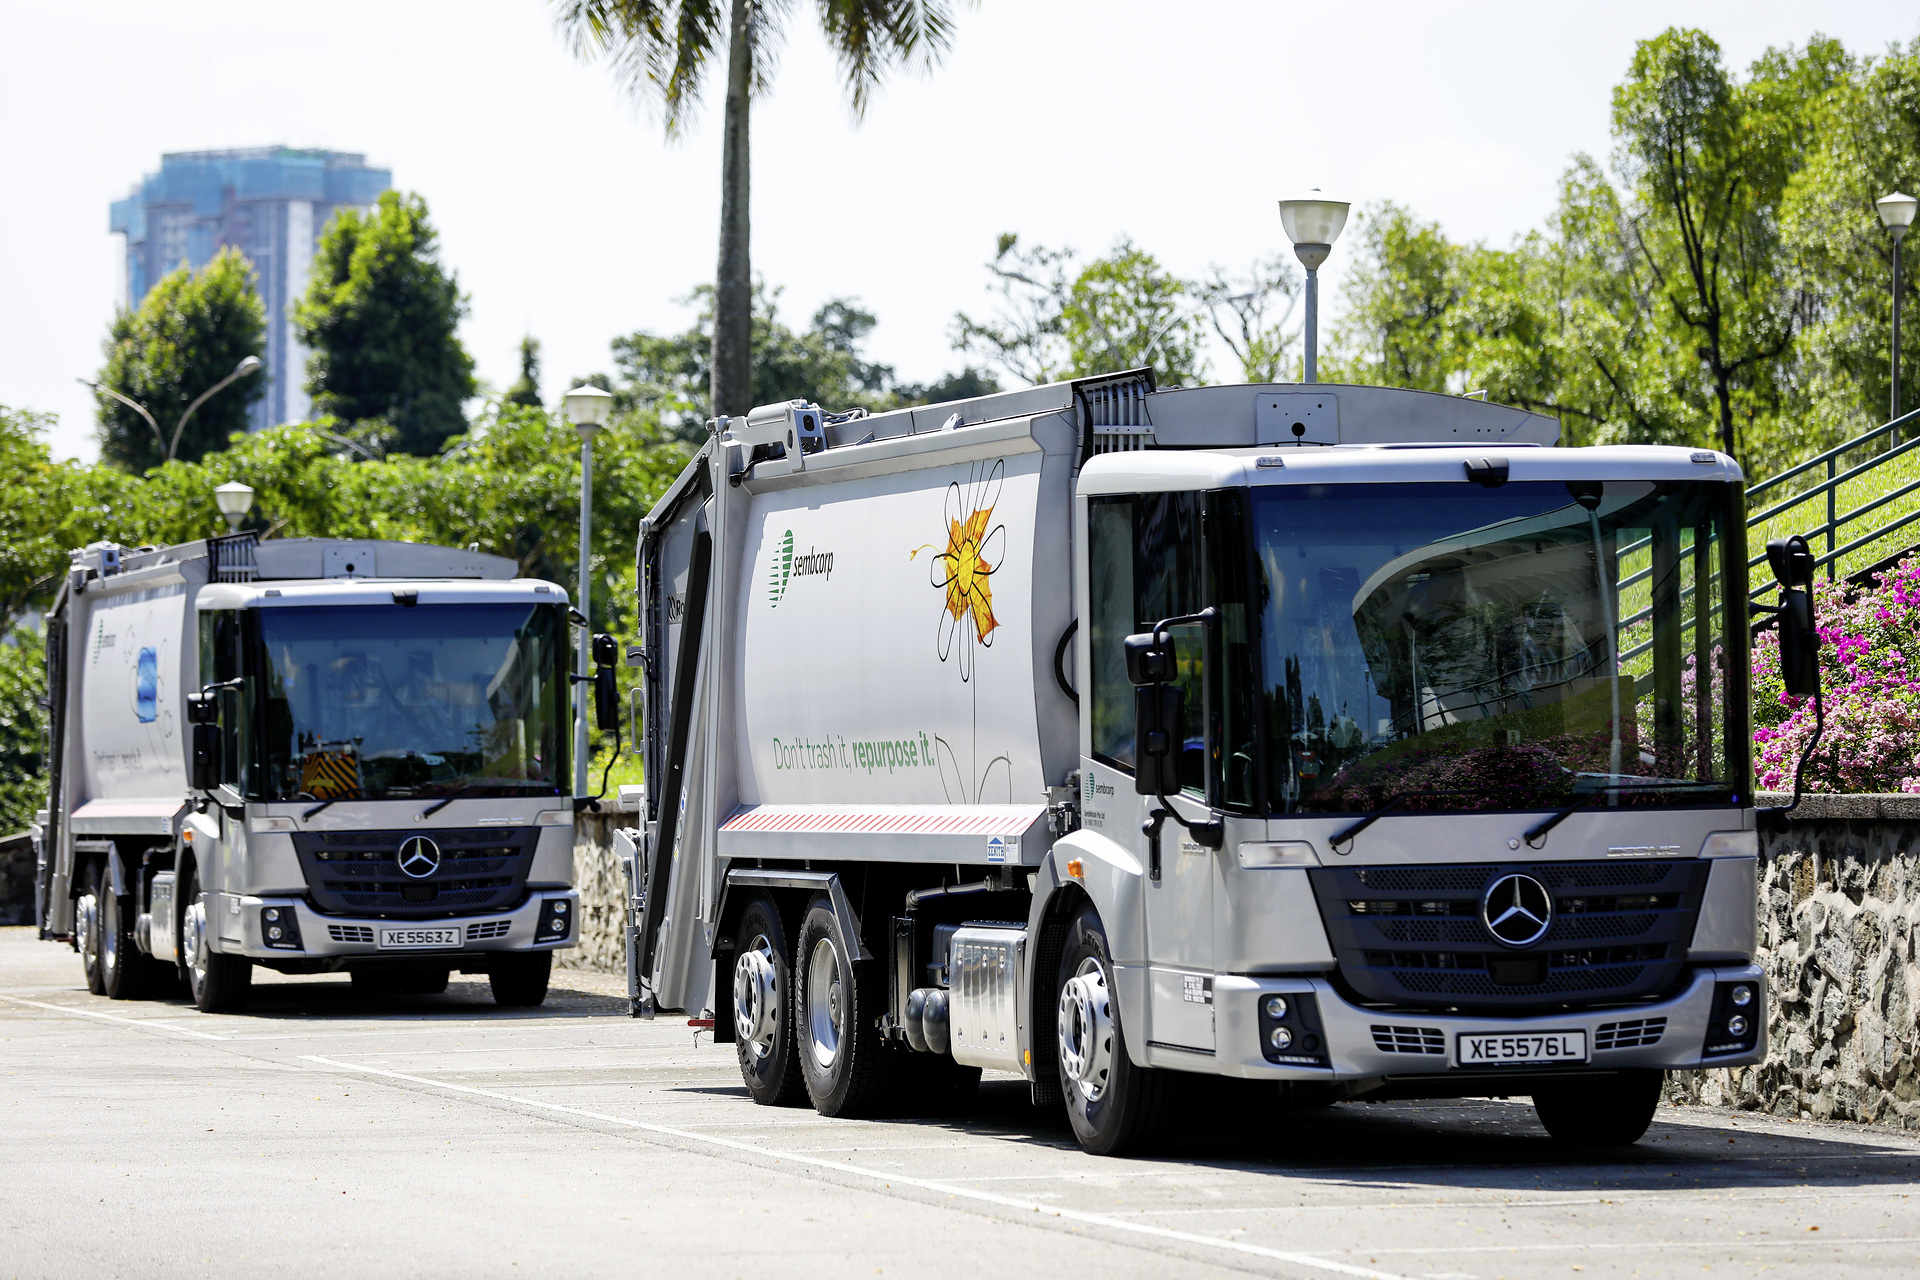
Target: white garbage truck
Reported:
point(309, 755)
point(1351, 739)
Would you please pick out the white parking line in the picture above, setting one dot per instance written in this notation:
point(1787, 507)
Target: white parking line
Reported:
point(147, 1024)
point(1747, 1242)
point(954, 1190)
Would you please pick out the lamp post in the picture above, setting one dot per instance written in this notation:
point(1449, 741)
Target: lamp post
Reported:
point(250, 364)
point(587, 408)
point(1313, 223)
point(234, 500)
point(1896, 215)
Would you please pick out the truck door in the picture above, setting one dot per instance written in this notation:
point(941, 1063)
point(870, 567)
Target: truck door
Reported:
point(1145, 560)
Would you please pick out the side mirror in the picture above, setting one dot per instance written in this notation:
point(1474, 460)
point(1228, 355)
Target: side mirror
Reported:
point(1792, 563)
point(606, 697)
point(1148, 662)
point(1159, 713)
point(201, 708)
point(204, 773)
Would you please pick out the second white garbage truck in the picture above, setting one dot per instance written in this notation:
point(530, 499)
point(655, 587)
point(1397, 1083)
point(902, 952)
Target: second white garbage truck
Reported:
point(308, 755)
point(1351, 739)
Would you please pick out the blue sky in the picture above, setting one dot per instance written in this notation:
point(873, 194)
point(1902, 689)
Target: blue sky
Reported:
point(566, 214)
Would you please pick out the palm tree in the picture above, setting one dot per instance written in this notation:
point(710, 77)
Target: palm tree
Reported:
point(662, 48)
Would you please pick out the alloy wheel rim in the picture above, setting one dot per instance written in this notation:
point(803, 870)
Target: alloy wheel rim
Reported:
point(196, 940)
point(86, 918)
point(826, 1014)
point(1086, 1031)
point(756, 998)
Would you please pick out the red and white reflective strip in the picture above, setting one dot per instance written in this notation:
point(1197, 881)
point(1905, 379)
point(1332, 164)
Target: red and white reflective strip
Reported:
point(888, 820)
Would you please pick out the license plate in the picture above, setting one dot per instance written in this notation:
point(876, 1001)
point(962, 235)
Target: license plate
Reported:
point(1515, 1048)
point(404, 938)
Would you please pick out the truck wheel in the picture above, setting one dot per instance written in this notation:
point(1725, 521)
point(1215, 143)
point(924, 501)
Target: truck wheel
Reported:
point(848, 1069)
point(519, 980)
point(1115, 1106)
point(86, 924)
point(762, 1006)
point(123, 968)
point(219, 983)
point(1612, 1112)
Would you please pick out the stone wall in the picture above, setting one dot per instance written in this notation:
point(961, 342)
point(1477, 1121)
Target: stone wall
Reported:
point(602, 882)
point(1839, 901)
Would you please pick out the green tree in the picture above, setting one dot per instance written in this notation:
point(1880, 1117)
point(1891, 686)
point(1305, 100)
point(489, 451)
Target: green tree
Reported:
point(1398, 295)
point(1121, 311)
point(667, 375)
point(1249, 318)
point(380, 317)
point(189, 332)
point(1866, 143)
point(662, 49)
point(525, 391)
point(23, 727)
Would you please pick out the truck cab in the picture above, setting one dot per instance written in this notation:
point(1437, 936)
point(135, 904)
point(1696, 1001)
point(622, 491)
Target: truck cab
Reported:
point(310, 755)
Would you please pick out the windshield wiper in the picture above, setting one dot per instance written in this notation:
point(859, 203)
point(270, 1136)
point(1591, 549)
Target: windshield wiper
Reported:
point(1349, 833)
point(438, 805)
point(317, 808)
point(1552, 820)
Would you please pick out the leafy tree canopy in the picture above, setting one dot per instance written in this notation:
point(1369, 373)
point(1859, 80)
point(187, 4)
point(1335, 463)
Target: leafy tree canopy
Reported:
point(380, 317)
point(824, 363)
point(188, 333)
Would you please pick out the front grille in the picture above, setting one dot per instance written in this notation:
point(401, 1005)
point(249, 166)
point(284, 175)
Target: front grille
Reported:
point(350, 932)
point(357, 872)
point(488, 929)
point(1409, 1039)
point(1637, 1034)
point(1414, 937)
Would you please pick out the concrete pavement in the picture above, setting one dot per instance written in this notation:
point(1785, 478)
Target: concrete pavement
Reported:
point(320, 1134)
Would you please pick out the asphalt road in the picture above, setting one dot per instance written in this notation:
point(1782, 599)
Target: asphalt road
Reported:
point(322, 1135)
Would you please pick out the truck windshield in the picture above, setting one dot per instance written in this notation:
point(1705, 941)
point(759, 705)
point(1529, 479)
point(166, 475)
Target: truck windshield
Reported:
point(386, 702)
point(1446, 647)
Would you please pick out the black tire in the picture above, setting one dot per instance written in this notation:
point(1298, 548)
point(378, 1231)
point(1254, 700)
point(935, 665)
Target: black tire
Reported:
point(519, 979)
point(763, 1004)
point(86, 928)
point(1611, 1112)
point(848, 1069)
point(218, 983)
point(125, 970)
point(1115, 1106)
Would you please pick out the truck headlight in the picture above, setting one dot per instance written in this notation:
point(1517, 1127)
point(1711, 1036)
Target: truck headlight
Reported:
point(280, 928)
point(556, 920)
point(1280, 1038)
point(1277, 1008)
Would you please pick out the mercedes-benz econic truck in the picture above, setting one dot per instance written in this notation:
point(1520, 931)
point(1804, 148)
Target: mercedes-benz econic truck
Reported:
point(308, 755)
point(1355, 740)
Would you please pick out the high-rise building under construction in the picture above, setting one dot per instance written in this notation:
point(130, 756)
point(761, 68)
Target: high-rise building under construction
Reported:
point(271, 203)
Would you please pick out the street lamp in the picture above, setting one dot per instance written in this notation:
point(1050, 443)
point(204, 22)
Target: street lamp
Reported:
point(1896, 215)
point(1313, 224)
point(234, 500)
point(251, 364)
point(587, 408)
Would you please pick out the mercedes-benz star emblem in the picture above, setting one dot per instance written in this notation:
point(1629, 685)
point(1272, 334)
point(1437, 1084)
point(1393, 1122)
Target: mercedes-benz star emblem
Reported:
point(419, 857)
point(1517, 910)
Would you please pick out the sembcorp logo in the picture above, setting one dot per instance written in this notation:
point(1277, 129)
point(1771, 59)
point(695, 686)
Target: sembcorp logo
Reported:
point(782, 570)
point(787, 566)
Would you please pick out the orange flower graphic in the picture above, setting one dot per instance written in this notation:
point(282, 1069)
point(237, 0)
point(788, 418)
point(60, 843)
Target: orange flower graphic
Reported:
point(964, 571)
point(969, 574)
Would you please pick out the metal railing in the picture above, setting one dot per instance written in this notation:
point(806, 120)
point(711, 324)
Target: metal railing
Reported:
point(1830, 529)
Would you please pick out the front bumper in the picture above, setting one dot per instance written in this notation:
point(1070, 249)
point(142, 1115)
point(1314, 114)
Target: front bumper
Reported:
point(328, 937)
point(1355, 1049)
